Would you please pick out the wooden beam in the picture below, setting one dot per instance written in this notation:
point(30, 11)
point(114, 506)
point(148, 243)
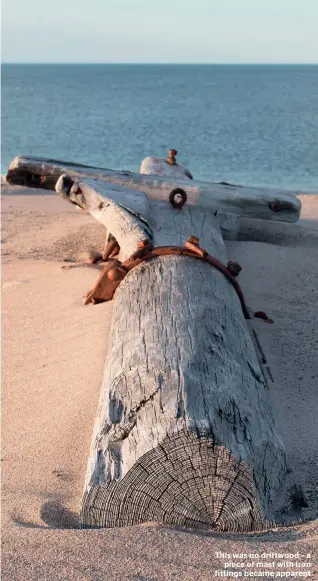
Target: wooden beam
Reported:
point(245, 201)
point(185, 432)
point(228, 223)
point(127, 225)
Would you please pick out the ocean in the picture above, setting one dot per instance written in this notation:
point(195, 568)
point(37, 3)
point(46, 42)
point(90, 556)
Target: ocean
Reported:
point(245, 124)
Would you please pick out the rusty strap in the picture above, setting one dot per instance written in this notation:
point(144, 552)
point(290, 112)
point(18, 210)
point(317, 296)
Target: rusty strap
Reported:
point(115, 271)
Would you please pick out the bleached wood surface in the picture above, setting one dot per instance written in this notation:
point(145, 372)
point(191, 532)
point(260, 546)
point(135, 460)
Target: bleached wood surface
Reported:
point(159, 166)
point(244, 201)
point(138, 203)
point(128, 222)
point(184, 431)
point(229, 223)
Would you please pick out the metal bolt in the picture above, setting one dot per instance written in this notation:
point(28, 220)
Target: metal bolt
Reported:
point(143, 243)
point(171, 159)
point(115, 273)
point(194, 240)
point(234, 268)
point(275, 206)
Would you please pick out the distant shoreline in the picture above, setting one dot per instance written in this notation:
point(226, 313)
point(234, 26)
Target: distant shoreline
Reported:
point(163, 64)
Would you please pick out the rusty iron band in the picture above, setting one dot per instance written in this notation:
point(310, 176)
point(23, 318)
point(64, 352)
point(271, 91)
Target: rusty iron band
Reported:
point(144, 255)
point(115, 271)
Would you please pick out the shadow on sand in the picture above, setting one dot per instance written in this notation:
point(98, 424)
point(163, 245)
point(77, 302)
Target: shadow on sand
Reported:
point(54, 515)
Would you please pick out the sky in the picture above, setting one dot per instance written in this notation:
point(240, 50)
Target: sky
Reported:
point(144, 31)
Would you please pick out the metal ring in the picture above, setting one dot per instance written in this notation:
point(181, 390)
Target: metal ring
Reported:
point(172, 198)
point(275, 206)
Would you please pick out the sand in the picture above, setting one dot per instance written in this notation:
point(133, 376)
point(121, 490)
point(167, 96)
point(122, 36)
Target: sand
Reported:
point(54, 351)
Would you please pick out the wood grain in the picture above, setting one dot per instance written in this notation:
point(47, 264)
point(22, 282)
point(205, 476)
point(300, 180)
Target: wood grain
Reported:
point(184, 431)
point(244, 201)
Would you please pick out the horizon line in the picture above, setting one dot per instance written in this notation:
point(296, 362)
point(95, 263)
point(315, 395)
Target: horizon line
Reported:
point(160, 63)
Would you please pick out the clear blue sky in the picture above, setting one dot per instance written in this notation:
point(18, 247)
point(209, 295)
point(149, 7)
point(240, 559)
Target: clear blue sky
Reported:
point(210, 31)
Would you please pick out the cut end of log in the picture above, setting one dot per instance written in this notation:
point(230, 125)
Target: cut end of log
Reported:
point(187, 480)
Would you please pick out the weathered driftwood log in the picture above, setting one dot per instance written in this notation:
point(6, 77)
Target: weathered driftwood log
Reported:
point(159, 166)
point(125, 210)
point(245, 201)
point(184, 431)
point(229, 223)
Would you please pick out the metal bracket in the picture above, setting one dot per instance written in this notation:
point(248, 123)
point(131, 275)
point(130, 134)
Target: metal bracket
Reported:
point(177, 198)
point(115, 271)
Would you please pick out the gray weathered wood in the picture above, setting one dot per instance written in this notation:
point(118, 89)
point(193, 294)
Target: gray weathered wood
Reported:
point(228, 223)
point(244, 201)
point(184, 431)
point(159, 166)
point(127, 224)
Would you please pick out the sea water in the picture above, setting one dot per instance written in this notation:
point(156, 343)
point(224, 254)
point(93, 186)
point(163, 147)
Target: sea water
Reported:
point(253, 125)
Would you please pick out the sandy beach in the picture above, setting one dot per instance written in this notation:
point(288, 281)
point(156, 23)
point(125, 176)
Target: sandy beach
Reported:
point(54, 352)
